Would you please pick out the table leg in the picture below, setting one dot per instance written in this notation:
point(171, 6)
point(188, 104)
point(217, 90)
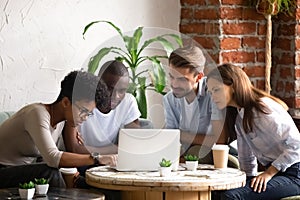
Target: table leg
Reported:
point(141, 195)
point(204, 195)
point(171, 195)
point(154, 195)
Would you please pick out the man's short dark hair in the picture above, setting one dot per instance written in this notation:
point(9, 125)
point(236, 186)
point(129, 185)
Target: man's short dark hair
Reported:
point(113, 67)
point(190, 57)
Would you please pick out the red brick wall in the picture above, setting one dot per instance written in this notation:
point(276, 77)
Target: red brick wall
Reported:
point(232, 31)
point(284, 51)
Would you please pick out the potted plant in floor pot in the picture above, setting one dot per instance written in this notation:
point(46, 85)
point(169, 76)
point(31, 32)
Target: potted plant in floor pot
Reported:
point(134, 57)
point(165, 167)
point(26, 190)
point(191, 162)
point(41, 186)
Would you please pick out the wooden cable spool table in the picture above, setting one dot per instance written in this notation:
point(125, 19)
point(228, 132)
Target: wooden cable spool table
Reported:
point(182, 184)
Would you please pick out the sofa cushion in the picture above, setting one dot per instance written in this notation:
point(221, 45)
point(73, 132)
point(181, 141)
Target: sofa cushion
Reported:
point(5, 115)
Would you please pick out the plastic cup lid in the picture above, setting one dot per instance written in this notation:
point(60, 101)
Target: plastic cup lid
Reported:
point(68, 170)
point(220, 147)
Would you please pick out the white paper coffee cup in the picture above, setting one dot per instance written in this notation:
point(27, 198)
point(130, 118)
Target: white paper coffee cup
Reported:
point(69, 175)
point(220, 155)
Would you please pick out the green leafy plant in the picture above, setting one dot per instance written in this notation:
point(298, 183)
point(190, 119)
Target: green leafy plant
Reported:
point(274, 7)
point(28, 185)
point(190, 157)
point(133, 57)
point(41, 181)
point(165, 163)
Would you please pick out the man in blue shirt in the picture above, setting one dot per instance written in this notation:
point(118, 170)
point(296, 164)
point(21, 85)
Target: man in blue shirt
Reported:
point(188, 105)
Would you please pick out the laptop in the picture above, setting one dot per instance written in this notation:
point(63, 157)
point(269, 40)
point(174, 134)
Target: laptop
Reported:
point(143, 149)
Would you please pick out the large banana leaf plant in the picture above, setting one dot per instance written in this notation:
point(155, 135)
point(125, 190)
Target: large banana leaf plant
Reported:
point(133, 57)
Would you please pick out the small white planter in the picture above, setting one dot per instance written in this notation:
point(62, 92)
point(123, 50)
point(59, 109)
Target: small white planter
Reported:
point(26, 193)
point(191, 165)
point(165, 171)
point(41, 189)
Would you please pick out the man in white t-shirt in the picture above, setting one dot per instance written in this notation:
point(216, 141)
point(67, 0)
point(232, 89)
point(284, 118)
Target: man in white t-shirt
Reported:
point(100, 132)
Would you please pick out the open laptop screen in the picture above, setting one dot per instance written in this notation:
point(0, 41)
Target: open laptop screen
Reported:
point(143, 149)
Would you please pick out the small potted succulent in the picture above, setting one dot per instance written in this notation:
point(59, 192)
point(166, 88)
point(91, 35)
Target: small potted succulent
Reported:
point(41, 186)
point(191, 162)
point(26, 190)
point(165, 167)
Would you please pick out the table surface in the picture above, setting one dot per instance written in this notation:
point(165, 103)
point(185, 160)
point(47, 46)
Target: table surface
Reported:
point(56, 193)
point(206, 178)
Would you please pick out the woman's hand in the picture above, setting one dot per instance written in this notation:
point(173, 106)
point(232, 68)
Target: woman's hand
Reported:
point(259, 183)
point(110, 159)
point(79, 138)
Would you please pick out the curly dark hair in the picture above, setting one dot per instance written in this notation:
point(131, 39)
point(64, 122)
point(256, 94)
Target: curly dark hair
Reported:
point(103, 97)
point(80, 85)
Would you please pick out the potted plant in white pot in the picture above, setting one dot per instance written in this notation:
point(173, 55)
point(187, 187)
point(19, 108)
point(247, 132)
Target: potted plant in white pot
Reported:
point(134, 56)
point(191, 162)
point(26, 190)
point(41, 186)
point(165, 167)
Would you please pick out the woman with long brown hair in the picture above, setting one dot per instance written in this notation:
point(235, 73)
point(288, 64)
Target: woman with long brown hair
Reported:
point(265, 133)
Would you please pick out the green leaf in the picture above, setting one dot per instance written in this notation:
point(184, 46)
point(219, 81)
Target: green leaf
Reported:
point(95, 60)
point(158, 75)
point(177, 38)
point(41, 181)
point(165, 163)
point(132, 88)
point(133, 46)
point(190, 157)
point(137, 38)
point(127, 41)
point(147, 43)
point(108, 22)
point(141, 96)
point(168, 46)
point(28, 185)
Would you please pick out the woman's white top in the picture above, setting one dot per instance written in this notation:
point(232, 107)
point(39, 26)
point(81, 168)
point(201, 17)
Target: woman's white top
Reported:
point(275, 139)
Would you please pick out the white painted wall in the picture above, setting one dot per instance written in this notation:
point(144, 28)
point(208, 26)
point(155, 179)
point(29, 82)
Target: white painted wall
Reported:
point(41, 40)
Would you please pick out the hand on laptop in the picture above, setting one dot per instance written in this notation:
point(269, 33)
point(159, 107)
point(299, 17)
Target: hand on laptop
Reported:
point(110, 159)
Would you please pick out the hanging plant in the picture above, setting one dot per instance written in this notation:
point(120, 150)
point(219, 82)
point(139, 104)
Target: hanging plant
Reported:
point(270, 8)
point(274, 7)
point(267, 7)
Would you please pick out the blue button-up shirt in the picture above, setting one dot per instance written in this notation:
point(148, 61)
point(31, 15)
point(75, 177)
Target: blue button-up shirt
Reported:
point(201, 120)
